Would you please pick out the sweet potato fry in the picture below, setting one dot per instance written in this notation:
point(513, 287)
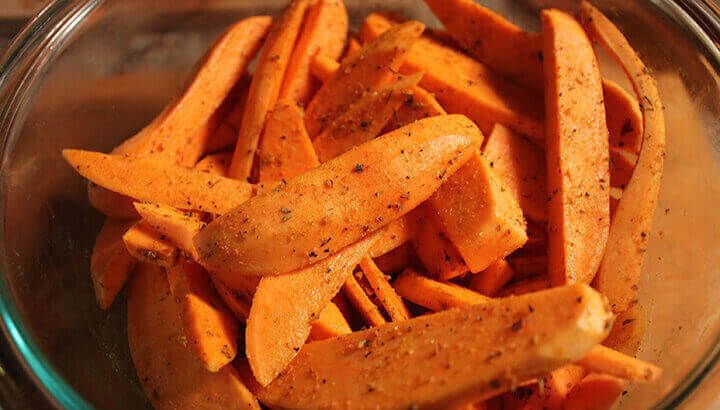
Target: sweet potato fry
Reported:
point(628, 331)
point(356, 369)
point(520, 166)
point(376, 63)
point(285, 149)
point(438, 255)
point(465, 86)
point(434, 295)
point(216, 164)
point(364, 119)
point(211, 329)
point(396, 234)
point(393, 304)
point(619, 271)
point(169, 372)
point(344, 199)
point(396, 260)
point(147, 246)
point(323, 33)
point(177, 227)
point(265, 86)
point(480, 216)
point(518, 56)
point(595, 392)
point(559, 383)
point(238, 301)
point(110, 263)
point(577, 152)
point(622, 165)
point(604, 360)
point(180, 133)
point(111, 204)
point(362, 303)
point(284, 307)
point(331, 323)
point(419, 103)
point(225, 135)
point(492, 279)
point(146, 179)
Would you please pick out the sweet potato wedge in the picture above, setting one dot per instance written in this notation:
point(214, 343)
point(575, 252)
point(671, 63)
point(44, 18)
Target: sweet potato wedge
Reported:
point(576, 152)
point(110, 263)
point(146, 179)
point(520, 166)
point(396, 234)
point(436, 253)
point(602, 359)
point(285, 149)
point(492, 279)
point(393, 304)
point(265, 86)
point(111, 204)
point(331, 323)
point(355, 369)
point(375, 64)
point(216, 164)
point(323, 33)
point(434, 295)
point(180, 133)
point(148, 246)
point(397, 260)
point(595, 392)
point(170, 373)
point(364, 119)
point(465, 86)
point(284, 307)
point(623, 117)
point(177, 227)
point(238, 301)
point(622, 166)
point(480, 216)
point(345, 199)
point(362, 303)
point(622, 262)
point(211, 329)
point(225, 135)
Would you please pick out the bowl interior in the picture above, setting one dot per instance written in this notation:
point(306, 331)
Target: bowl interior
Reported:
point(104, 74)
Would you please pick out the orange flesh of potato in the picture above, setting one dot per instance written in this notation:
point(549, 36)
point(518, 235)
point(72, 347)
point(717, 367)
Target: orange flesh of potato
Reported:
point(146, 179)
point(146, 245)
point(376, 63)
point(110, 263)
point(520, 165)
point(577, 152)
point(397, 365)
point(362, 302)
point(480, 216)
point(492, 279)
point(284, 307)
point(396, 234)
point(436, 252)
point(465, 86)
point(178, 227)
point(595, 392)
point(345, 199)
point(393, 304)
point(622, 262)
point(265, 86)
point(331, 323)
point(434, 295)
point(216, 164)
point(169, 372)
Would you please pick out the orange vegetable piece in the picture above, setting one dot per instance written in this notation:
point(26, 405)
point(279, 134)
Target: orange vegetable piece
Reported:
point(434, 295)
point(110, 204)
point(362, 303)
point(225, 135)
point(285, 149)
point(216, 164)
point(364, 119)
point(608, 361)
point(393, 366)
point(396, 260)
point(628, 331)
point(265, 85)
point(237, 301)
point(211, 329)
point(623, 116)
point(390, 300)
point(345, 199)
point(465, 86)
point(622, 165)
point(525, 286)
point(375, 64)
point(526, 266)
point(577, 152)
point(323, 33)
point(331, 323)
point(353, 46)
point(146, 179)
point(595, 392)
point(178, 227)
point(520, 165)
point(397, 233)
point(492, 279)
point(169, 372)
point(480, 216)
point(622, 262)
point(110, 263)
point(438, 255)
point(284, 307)
point(147, 246)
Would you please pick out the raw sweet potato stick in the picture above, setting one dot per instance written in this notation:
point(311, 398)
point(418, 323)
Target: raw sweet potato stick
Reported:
point(110, 263)
point(393, 304)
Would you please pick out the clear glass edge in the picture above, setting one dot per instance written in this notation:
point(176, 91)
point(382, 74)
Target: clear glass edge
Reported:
point(702, 17)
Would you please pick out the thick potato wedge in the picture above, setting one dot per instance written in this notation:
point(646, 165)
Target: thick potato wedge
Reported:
point(110, 264)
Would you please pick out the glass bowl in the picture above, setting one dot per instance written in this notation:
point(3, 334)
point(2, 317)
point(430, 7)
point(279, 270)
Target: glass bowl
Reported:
point(90, 73)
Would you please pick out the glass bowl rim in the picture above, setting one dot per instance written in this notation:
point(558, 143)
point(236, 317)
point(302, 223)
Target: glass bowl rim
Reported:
point(53, 26)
